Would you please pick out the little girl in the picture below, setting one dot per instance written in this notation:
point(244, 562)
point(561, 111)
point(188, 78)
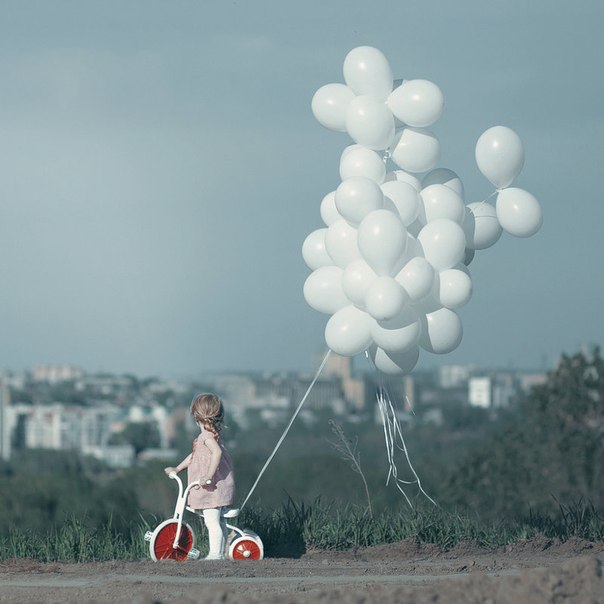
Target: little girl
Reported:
point(210, 463)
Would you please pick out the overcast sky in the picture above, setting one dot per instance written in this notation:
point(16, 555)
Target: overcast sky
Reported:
point(160, 168)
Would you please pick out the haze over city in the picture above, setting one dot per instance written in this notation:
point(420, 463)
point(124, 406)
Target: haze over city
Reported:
point(160, 168)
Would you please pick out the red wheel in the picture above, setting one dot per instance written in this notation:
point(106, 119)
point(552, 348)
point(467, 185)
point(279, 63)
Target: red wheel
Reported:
point(161, 544)
point(245, 548)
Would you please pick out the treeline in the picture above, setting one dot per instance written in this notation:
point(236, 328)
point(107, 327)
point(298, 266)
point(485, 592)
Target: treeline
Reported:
point(543, 456)
point(552, 453)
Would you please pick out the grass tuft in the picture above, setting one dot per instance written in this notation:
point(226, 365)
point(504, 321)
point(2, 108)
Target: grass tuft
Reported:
point(297, 527)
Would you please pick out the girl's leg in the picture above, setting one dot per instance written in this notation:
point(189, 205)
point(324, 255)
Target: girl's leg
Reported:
point(225, 531)
point(216, 534)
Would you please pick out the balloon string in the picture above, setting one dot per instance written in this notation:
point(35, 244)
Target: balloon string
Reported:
point(406, 452)
point(291, 421)
point(495, 192)
point(392, 434)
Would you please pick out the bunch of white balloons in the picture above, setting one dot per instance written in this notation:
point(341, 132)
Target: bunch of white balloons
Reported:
point(390, 265)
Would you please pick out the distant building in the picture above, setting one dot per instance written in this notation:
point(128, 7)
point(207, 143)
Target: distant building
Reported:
point(43, 426)
point(162, 453)
point(5, 432)
point(115, 456)
point(153, 413)
point(326, 391)
point(527, 381)
point(337, 365)
point(505, 390)
point(353, 389)
point(281, 391)
point(480, 392)
point(56, 373)
point(60, 427)
point(453, 376)
point(498, 390)
point(119, 388)
point(232, 388)
point(160, 416)
point(11, 379)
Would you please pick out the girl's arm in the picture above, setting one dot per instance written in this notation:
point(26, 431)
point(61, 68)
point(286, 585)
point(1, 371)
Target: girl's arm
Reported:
point(216, 455)
point(181, 466)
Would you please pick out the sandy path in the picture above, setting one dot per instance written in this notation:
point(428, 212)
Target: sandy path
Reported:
point(529, 573)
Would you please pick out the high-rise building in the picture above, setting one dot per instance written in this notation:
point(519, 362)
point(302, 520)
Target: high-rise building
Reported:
point(480, 392)
point(352, 388)
point(4, 426)
point(338, 365)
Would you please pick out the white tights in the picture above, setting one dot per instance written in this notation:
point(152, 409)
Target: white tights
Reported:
point(217, 532)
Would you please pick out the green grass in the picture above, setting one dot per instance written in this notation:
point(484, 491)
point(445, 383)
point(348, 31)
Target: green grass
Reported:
point(294, 528)
point(328, 527)
point(74, 541)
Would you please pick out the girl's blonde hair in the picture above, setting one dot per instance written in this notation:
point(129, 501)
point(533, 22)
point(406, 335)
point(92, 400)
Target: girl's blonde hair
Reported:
point(208, 410)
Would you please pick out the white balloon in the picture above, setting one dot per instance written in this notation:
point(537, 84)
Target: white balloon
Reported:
point(442, 332)
point(382, 238)
point(468, 257)
point(341, 243)
point(500, 155)
point(417, 102)
point(330, 104)
point(323, 290)
point(385, 299)
point(463, 268)
point(370, 123)
point(356, 280)
point(417, 278)
point(444, 176)
point(454, 287)
point(348, 331)
point(415, 150)
point(429, 304)
point(357, 160)
point(395, 363)
point(389, 205)
point(329, 212)
point(439, 201)
point(398, 334)
point(350, 148)
point(413, 249)
point(518, 212)
point(367, 71)
point(405, 199)
point(481, 226)
point(443, 242)
point(415, 227)
point(403, 176)
point(358, 196)
point(313, 250)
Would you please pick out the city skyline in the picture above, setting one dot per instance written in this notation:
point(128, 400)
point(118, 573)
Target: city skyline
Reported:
point(161, 167)
point(57, 373)
point(119, 419)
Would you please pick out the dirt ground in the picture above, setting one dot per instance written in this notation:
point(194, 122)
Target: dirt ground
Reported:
point(527, 573)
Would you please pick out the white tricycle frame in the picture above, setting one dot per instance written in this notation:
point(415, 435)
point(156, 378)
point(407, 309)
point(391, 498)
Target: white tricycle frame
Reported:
point(174, 539)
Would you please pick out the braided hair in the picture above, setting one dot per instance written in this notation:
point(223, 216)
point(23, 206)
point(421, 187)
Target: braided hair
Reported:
point(208, 410)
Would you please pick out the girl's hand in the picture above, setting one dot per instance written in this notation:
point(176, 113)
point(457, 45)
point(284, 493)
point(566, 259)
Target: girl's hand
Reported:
point(169, 470)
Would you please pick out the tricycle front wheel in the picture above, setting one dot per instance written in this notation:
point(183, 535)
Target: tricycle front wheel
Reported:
point(161, 546)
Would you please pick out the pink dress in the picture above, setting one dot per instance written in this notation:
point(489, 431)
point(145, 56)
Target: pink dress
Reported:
point(221, 491)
